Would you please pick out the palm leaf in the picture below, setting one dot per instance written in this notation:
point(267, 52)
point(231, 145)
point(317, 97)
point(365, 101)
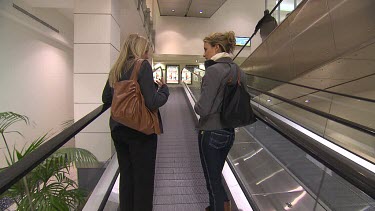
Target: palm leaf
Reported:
point(9, 118)
point(35, 144)
point(80, 157)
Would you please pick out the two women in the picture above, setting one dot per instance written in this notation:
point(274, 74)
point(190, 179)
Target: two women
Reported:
point(215, 139)
point(136, 151)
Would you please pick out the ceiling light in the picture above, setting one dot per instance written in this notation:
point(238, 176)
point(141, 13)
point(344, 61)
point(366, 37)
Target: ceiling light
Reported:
point(307, 101)
point(269, 100)
point(200, 11)
point(173, 10)
point(196, 60)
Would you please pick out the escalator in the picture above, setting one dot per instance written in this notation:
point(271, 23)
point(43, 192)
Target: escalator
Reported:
point(280, 171)
point(313, 146)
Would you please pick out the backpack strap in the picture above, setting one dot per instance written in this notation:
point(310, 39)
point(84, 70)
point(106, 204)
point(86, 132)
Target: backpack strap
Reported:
point(238, 76)
point(221, 86)
point(137, 67)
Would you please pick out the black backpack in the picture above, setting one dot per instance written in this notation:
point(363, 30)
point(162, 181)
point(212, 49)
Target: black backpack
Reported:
point(236, 108)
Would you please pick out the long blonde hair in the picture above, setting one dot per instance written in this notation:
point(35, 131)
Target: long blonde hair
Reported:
point(226, 41)
point(133, 48)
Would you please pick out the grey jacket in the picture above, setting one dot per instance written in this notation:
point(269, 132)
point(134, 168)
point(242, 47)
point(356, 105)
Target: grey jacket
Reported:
point(208, 107)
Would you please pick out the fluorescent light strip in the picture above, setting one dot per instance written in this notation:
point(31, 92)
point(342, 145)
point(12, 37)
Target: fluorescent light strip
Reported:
point(351, 156)
point(238, 196)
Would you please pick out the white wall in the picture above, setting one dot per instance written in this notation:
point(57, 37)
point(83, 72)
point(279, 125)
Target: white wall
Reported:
point(184, 35)
point(36, 71)
point(131, 21)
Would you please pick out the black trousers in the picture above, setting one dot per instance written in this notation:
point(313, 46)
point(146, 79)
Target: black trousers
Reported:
point(214, 147)
point(136, 156)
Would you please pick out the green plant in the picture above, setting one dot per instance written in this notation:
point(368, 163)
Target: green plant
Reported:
point(48, 186)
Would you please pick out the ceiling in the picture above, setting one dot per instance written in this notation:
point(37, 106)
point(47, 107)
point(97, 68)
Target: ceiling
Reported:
point(189, 8)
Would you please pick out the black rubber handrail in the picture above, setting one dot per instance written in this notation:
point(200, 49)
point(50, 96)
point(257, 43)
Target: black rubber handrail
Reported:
point(343, 121)
point(12, 174)
point(320, 90)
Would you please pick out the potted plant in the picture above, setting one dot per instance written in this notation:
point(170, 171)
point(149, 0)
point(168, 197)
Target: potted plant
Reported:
point(48, 186)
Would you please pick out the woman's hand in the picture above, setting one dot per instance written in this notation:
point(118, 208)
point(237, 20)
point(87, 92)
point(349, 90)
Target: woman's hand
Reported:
point(160, 82)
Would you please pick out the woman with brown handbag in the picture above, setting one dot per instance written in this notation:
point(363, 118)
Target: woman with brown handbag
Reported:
point(136, 151)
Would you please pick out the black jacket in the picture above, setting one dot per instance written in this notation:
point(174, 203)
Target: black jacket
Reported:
point(154, 98)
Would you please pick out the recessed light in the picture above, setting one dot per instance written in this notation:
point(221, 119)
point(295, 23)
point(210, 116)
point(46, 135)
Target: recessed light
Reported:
point(269, 100)
point(196, 60)
point(307, 101)
point(200, 11)
point(173, 10)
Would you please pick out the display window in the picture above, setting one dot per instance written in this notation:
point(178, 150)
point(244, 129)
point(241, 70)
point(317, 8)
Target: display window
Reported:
point(158, 74)
point(199, 72)
point(172, 76)
point(191, 69)
point(186, 76)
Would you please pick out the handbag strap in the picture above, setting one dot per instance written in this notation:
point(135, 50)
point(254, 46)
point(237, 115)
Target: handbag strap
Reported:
point(221, 86)
point(137, 67)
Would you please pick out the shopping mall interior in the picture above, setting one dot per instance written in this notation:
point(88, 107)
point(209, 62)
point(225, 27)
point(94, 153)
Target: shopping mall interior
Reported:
point(311, 82)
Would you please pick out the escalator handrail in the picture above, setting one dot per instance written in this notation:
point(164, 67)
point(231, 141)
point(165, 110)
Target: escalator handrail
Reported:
point(320, 90)
point(358, 175)
point(257, 28)
point(340, 120)
point(12, 174)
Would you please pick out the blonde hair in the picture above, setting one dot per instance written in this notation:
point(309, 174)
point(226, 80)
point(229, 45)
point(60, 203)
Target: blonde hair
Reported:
point(133, 48)
point(226, 41)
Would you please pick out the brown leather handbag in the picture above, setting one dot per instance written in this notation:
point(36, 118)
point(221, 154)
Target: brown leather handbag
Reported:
point(128, 105)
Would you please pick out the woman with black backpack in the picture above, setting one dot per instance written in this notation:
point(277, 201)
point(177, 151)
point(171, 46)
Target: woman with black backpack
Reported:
point(216, 136)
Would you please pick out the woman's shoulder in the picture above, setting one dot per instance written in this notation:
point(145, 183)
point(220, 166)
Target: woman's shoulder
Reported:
point(145, 66)
point(218, 68)
point(145, 63)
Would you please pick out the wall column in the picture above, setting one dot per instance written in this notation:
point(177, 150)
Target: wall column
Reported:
point(96, 47)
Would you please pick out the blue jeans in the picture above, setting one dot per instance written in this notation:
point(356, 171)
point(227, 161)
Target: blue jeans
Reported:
point(214, 147)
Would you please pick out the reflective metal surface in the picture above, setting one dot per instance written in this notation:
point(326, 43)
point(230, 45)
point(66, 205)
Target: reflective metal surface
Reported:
point(330, 45)
point(278, 174)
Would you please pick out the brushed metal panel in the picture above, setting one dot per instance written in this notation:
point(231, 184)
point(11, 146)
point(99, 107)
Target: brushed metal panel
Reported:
point(344, 69)
point(263, 175)
point(320, 101)
point(290, 91)
point(263, 83)
point(298, 200)
point(259, 61)
point(364, 87)
point(307, 119)
point(353, 22)
point(242, 148)
point(366, 53)
point(308, 15)
point(358, 111)
point(281, 55)
point(317, 83)
point(313, 46)
point(268, 101)
point(351, 139)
